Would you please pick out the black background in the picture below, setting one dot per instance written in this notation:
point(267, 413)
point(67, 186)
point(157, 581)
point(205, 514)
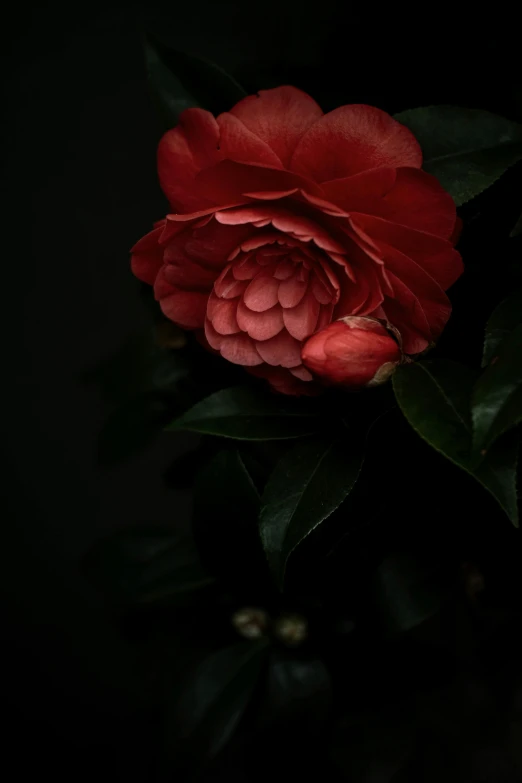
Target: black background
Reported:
point(79, 152)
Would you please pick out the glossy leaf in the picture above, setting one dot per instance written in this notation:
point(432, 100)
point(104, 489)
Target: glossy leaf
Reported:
point(408, 591)
point(298, 692)
point(466, 149)
point(497, 396)
point(504, 318)
point(245, 414)
point(435, 397)
point(143, 566)
point(306, 486)
point(181, 81)
point(205, 713)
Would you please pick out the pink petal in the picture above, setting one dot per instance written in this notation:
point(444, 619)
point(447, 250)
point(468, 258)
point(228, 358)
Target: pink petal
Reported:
point(279, 117)
point(301, 321)
point(325, 317)
point(320, 291)
point(302, 373)
point(240, 349)
point(281, 350)
point(227, 287)
point(222, 314)
point(291, 291)
point(261, 293)
point(260, 326)
point(246, 268)
point(284, 269)
point(352, 139)
point(214, 339)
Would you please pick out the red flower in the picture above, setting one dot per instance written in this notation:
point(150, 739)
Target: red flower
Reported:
point(356, 351)
point(285, 219)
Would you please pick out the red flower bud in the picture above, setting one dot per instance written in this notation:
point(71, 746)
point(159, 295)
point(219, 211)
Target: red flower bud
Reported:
point(355, 351)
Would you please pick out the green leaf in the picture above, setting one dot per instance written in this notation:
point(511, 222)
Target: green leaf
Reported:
point(306, 486)
point(205, 714)
point(298, 691)
point(408, 591)
point(497, 396)
point(144, 566)
point(181, 81)
point(501, 323)
point(435, 398)
point(466, 149)
point(246, 414)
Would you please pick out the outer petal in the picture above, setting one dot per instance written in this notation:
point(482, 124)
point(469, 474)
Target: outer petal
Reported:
point(238, 143)
point(147, 256)
point(415, 199)
point(352, 139)
point(432, 253)
point(183, 152)
point(185, 308)
point(229, 182)
point(279, 117)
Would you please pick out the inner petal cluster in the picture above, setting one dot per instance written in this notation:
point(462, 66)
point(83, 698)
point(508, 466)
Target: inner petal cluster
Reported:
point(267, 300)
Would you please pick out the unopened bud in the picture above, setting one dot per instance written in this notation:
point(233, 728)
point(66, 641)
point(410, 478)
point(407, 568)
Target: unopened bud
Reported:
point(291, 629)
point(250, 623)
point(356, 352)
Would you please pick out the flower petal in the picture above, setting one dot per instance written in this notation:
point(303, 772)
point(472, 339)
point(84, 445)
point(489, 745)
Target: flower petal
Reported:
point(352, 139)
point(432, 253)
point(238, 143)
point(147, 256)
point(193, 145)
point(282, 350)
point(260, 326)
point(240, 349)
point(291, 291)
point(301, 321)
point(261, 293)
point(279, 117)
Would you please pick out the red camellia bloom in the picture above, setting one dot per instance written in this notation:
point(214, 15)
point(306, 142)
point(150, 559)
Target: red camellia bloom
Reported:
point(355, 352)
point(285, 219)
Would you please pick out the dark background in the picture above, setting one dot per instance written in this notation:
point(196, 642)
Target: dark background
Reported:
point(79, 152)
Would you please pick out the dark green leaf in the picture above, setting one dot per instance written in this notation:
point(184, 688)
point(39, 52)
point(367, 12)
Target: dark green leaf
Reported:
point(466, 149)
point(501, 323)
point(226, 505)
point(245, 414)
point(205, 714)
point(435, 397)
point(298, 692)
point(181, 81)
point(306, 486)
point(497, 397)
point(146, 566)
point(408, 591)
